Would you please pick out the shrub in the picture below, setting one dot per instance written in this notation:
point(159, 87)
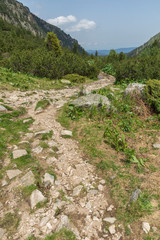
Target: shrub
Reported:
point(152, 94)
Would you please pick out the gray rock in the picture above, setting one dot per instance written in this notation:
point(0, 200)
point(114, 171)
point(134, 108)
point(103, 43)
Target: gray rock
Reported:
point(52, 144)
point(28, 179)
point(41, 132)
point(65, 81)
point(49, 178)
point(13, 173)
point(2, 232)
point(37, 150)
point(26, 120)
point(4, 182)
point(77, 190)
point(19, 153)
point(132, 88)
point(156, 145)
point(135, 195)
point(92, 99)
point(112, 229)
point(146, 227)
point(3, 109)
point(66, 133)
point(64, 223)
point(36, 197)
point(110, 219)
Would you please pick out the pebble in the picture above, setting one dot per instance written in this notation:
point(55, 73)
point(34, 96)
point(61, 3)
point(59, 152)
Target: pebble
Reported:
point(146, 227)
point(110, 219)
point(156, 145)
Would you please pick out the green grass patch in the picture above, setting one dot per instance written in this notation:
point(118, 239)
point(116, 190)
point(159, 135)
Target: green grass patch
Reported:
point(63, 234)
point(26, 191)
point(42, 104)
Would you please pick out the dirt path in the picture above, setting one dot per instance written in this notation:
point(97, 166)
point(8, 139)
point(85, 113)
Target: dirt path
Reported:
point(78, 200)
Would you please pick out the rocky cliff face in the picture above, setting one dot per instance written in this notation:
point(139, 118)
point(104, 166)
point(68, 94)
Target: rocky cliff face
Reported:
point(16, 13)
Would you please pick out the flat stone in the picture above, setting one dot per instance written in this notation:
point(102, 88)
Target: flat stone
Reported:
point(93, 192)
point(156, 145)
point(146, 227)
point(28, 179)
point(52, 144)
point(65, 81)
point(135, 195)
point(112, 229)
point(36, 197)
point(66, 133)
point(77, 190)
point(49, 178)
point(13, 173)
point(41, 132)
point(19, 153)
point(26, 120)
point(4, 183)
point(64, 223)
point(37, 150)
point(110, 219)
point(3, 109)
point(51, 160)
point(102, 182)
point(2, 232)
point(100, 187)
point(92, 99)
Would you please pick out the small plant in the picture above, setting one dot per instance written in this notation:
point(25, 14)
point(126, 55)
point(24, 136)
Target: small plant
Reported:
point(113, 136)
point(74, 112)
point(46, 136)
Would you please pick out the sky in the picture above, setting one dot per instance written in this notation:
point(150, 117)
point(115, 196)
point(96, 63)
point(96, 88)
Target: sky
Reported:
point(101, 24)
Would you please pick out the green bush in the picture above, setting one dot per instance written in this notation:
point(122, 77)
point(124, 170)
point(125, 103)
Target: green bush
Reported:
point(109, 69)
point(152, 94)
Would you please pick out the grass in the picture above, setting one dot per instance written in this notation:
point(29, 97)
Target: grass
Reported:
point(62, 235)
point(42, 104)
point(11, 81)
point(26, 191)
point(10, 221)
point(111, 141)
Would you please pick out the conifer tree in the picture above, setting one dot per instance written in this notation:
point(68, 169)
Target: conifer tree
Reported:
point(53, 43)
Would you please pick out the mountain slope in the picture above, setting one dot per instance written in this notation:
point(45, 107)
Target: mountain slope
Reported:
point(146, 45)
point(106, 52)
point(16, 13)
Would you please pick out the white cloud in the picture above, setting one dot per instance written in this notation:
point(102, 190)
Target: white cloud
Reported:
point(61, 20)
point(83, 24)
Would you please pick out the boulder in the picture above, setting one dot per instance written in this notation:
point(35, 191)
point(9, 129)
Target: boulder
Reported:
point(92, 99)
point(19, 153)
point(36, 197)
point(136, 88)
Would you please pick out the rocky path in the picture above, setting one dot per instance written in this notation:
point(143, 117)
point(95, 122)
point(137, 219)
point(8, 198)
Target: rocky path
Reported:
point(77, 199)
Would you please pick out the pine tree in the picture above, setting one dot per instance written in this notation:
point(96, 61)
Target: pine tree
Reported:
point(96, 53)
point(53, 43)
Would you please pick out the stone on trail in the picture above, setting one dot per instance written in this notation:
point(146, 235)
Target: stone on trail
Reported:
point(37, 150)
point(156, 145)
point(77, 190)
point(2, 232)
point(66, 133)
point(110, 219)
point(13, 173)
point(49, 178)
point(146, 227)
point(19, 153)
point(36, 197)
point(92, 99)
point(41, 132)
point(112, 229)
point(28, 179)
point(3, 109)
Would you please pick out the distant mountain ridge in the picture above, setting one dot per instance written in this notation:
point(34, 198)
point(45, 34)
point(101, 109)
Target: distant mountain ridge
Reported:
point(16, 13)
point(148, 44)
point(106, 52)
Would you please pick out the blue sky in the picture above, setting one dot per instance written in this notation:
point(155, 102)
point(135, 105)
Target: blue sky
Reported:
point(102, 24)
